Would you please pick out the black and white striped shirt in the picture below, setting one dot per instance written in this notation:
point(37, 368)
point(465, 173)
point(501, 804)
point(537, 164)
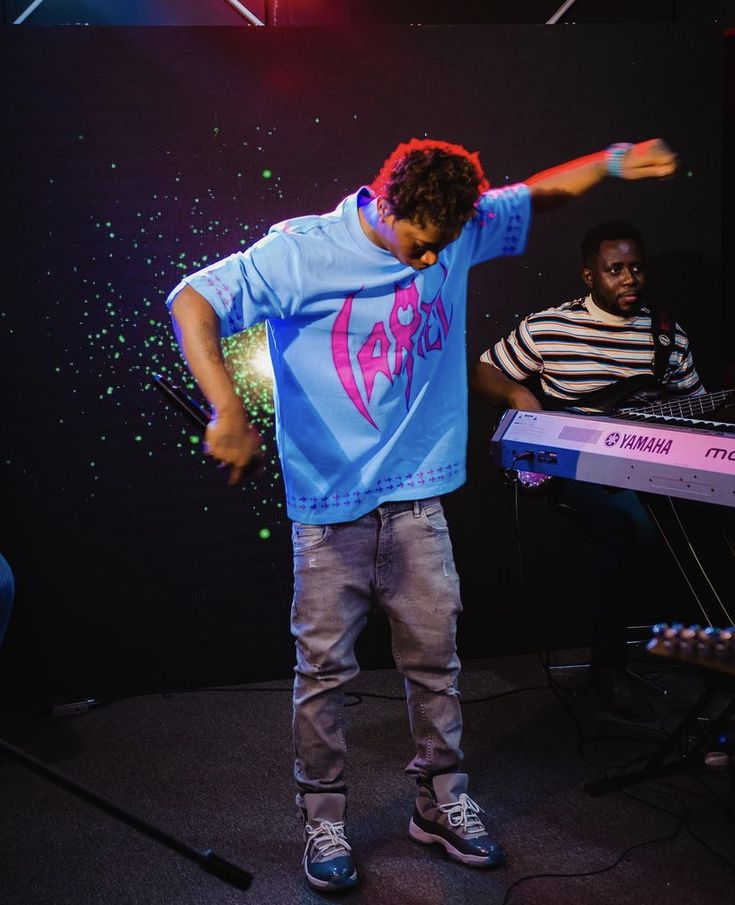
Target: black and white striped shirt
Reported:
point(578, 348)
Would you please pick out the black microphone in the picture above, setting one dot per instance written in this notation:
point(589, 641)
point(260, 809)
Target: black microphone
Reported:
point(196, 413)
point(201, 416)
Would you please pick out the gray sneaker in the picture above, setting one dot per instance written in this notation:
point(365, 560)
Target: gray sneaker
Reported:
point(327, 858)
point(445, 813)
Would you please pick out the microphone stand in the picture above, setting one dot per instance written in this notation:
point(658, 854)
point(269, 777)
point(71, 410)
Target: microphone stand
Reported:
point(207, 859)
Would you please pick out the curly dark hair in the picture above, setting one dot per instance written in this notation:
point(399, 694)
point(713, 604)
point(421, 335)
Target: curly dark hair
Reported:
point(428, 181)
point(604, 232)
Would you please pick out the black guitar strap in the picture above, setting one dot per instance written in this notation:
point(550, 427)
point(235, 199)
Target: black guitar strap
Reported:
point(664, 334)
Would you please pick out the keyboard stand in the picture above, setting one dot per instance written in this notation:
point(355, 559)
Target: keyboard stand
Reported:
point(666, 761)
point(718, 678)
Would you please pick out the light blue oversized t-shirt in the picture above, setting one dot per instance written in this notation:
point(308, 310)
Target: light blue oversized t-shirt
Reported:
point(368, 354)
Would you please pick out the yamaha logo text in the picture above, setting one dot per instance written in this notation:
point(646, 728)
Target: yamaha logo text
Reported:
point(661, 446)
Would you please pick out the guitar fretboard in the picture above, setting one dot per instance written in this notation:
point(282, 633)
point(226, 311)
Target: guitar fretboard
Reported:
point(688, 407)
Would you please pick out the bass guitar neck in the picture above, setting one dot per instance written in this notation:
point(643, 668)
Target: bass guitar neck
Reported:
point(711, 647)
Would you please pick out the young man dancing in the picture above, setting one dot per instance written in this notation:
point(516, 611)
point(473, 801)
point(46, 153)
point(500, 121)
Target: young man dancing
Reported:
point(365, 311)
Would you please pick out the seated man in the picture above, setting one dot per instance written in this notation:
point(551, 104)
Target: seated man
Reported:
point(580, 349)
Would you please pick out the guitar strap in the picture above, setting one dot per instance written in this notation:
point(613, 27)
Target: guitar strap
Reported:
point(664, 333)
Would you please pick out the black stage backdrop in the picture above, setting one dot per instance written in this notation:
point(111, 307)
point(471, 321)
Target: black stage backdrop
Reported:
point(134, 156)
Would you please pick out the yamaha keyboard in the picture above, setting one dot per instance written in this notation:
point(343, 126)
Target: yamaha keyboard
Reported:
point(671, 459)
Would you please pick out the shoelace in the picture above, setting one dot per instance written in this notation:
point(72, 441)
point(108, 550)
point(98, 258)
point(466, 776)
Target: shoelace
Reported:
point(463, 814)
point(327, 838)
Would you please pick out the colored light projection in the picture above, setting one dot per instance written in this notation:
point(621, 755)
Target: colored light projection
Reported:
point(143, 243)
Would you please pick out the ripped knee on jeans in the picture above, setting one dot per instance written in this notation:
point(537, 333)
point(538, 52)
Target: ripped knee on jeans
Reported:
point(437, 685)
point(325, 669)
point(450, 690)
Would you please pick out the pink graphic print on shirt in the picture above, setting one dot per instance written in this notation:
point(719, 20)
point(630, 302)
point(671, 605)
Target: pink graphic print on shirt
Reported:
point(412, 327)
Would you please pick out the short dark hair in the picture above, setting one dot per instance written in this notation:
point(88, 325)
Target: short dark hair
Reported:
point(428, 181)
point(604, 232)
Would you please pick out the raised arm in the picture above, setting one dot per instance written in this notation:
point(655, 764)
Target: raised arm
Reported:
point(229, 437)
point(493, 386)
point(651, 159)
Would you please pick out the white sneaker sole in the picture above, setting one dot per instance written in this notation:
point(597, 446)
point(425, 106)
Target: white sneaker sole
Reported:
point(415, 832)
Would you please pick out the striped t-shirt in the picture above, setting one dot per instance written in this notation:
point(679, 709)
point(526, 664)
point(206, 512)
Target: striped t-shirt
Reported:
point(578, 348)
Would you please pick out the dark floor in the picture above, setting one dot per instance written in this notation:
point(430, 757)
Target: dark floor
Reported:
point(212, 768)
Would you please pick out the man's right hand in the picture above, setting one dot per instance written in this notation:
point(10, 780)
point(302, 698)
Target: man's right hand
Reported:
point(524, 400)
point(490, 383)
point(231, 440)
point(229, 437)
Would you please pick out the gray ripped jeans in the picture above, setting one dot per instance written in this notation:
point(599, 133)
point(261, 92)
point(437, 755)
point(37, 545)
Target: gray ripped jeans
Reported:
point(398, 557)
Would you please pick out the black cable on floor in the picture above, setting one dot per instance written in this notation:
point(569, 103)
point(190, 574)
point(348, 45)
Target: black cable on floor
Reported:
point(357, 695)
point(684, 823)
point(686, 817)
point(591, 873)
point(493, 697)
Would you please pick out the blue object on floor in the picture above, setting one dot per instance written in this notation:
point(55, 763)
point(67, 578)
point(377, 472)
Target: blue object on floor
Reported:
point(7, 590)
